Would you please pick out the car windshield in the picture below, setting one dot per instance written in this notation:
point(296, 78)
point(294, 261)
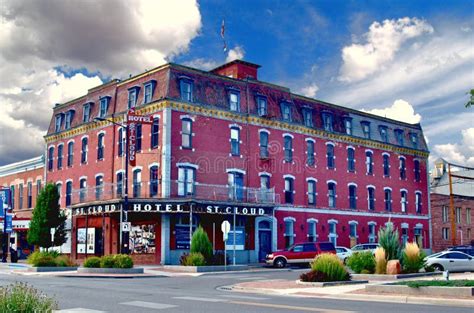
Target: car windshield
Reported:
point(435, 255)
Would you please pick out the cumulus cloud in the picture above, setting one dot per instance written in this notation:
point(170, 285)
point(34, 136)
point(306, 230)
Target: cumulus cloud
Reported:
point(235, 53)
point(400, 110)
point(461, 153)
point(43, 43)
point(382, 42)
point(310, 90)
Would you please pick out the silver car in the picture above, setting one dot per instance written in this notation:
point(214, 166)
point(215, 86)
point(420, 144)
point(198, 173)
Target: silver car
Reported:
point(453, 261)
point(343, 253)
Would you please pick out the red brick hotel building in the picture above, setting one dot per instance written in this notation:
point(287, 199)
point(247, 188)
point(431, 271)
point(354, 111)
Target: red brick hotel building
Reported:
point(225, 146)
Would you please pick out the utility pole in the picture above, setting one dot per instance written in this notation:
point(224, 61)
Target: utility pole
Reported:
point(451, 207)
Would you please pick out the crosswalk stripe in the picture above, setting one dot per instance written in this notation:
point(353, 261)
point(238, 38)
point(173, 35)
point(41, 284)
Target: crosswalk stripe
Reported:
point(244, 297)
point(150, 305)
point(200, 299)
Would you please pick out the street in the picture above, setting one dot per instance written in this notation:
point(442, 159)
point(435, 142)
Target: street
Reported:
point(194, 294)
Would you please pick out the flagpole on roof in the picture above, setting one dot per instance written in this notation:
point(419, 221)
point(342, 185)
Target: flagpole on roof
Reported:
point(223, 35)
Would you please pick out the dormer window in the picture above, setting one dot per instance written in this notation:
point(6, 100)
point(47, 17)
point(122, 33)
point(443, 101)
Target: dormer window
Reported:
point(348, 125)
point(414, 140)
point(286, 111)
point(86, 112)
point(383, 133)
point(69, 118)
point(104, 106)
point(58, 122)
point(234, 100)
point(327, 121)
point(149, 90)
point(365, 129)
point(186, 89)
point(132, 96)
point(261, 105)
point(308, 117)
point(399, 136)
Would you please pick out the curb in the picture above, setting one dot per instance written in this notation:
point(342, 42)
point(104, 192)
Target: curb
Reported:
point(247, 271)
point(109, 277)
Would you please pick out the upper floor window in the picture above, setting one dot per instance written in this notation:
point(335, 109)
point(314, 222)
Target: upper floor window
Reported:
point(330, 155)
point(50, 158)
point(348, 125)
point(312, 233)
point(99, 187)
point(70, 153)
point(138, 139)
point(104, 106)
point(388, 199)
point(332, 194)
point(286, 111)
point(371, 198)
point(186, 177)
point(366, 129)
point(100, 146)
point(264, 181)
point(351, 159)
point(369, 162)
point(414, 140)
point(69, 118)
point(234, 101)
point(383, 133)
point(120, 176)
point(86, 112)
point(84, 149)
point(121, 141)
point(82, 189)
point(404, 200)
point(311, 192)
point(235, 141)
point(262, 106)
point(186, 133)
point(149, 90)
point(20, 196)
point(399, 136)
point(417, 170)
point(290, 233)
point(288, 147)
point(137, 183)
point(310, 152)
point(60, 156)
point(308, 117)
point(58, 122)
point(186, 89)
point(403, 170)
point(132, 96)
point(155, 129)
point(418, 205)
point(353, 229)
point(264, 144)
point(289, 189)
point(12, 200)
point(38, 187)
point(372, 233)
point(29, 191)
point(352, 196)
point(327, 121)
point(386, 165)
point(68, 193)
point(236, 186)
point(153, 180)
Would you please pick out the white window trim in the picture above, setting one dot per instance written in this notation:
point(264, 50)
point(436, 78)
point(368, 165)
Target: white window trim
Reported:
point(99, 174)
point(310, 139)
point(290, 218)
point(263, 130)
point(419, 225)
point(331, 181)
point(101, 132)
point(137, 168)
point(192, 118)
point(371, 186)
point(69, 141)
point(404, 225)
point(289, 176)
point(350, 147)
point(153, 164)
point(372, 223)
point(368, 150)
point(312, 219)
point(119, 171)
point(353, 222)
point(288, 135)
point(333, 221)
point(308, 179)
point(351, 184)
point(235, 126)
point(235, 170)
point(387, 188)
point(68, 180)
point(264, 174)
point(187, 164)
point(330, 143)
point(386, 153)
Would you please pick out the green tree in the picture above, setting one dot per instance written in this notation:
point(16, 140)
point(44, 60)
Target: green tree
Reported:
point(470, 103)
point(46, 215)
point(200, 243)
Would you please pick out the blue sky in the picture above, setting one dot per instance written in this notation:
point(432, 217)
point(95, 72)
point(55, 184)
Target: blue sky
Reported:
point(409, 60)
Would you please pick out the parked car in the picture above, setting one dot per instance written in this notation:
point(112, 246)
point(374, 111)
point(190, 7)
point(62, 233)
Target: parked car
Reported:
point(343, 253)
point(453, 261)
point(365, 247)
point(299, 253)
point(468, 249)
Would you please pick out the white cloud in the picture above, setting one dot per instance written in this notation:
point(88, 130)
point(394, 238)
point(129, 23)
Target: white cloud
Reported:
point(310, 90)
point(202, 64)
point(461, 153)
point(235, 53)
point(383, 41)
point(400, 110)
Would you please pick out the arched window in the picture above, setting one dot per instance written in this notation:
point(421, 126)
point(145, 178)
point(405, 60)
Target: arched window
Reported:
point(310, 152)
point(289, 231)
point(82, 189)
point(312, 230)
point(289, 190)
point(312, 192)
point(236, 186)
point(153, 181)
point(350, 159)
point(403, 171)
point(60, 156)
point(119, 184)
point(121, 142)
point(68, 193)
point(418, 205)
point(235, 141)
point(386, 165)
point(100, 146)
point(70, 153)
point(84, 149)
point(353, 196)
point(388, 199)
point(155, 129)
point(288, 147)
point(331, 194)
point(369, 162)
point(137, 183)
point(371, 198)
point(99, 187)
point(263, 144)
point(330, 156)
point(332, 232)
point(404, 200)
point(417, 170)
point(50, 158)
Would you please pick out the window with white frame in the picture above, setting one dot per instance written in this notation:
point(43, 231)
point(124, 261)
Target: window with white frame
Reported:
point(58, 122)
point(261, 105)
point(417, 170)
point(312, 192)
point(386, 165)
point(402, 167)
point(351, 159)
point(186, 178)
point(236, 186)
point(84, 149)
point(99, 187)
point(70, 153)
point(310, 152)
point(288, 147)
point(372, 233)
point(286, 111)
point(265, 181)
point(103, 106)
point(383, 133)
point(458, 216)
point(331, 194)
point(153, 181)
point(186, 133)
point(353, 230)
point(264, 144)
point(418, 204)
point(414, 140)
point(312, 232)
point(50, 158)
point(149, 88)
point(186, 89)
point(330, 156)
point(404, 234)
point(289, 232)
point(234, 101)
point(388, 199)
point(308, 117)
point(235, 141)
point(82, 189)
point(100, 146)
point(132, 97)
point(365, 129)
point(369, 162)
point(352, 196)
point(69, 118)
point(289, 190)
point(86, 112)
point(404, 200)
point(138, 137)
point(399, 136)
point(60, 156)
point(371, 198)
point(445, 214)
point(333, 232)
point(155, 129)
point(121, 142)
point(445, 231)
point(348, 125)
point(137, 183)
point(68, 193)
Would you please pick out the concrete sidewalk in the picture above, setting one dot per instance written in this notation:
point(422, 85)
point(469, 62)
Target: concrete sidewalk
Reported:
point(348, 292)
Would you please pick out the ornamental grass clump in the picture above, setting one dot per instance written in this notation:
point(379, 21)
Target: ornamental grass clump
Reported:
point(380, 261)
point(362, 262)
point(330, 265)
point(194, 259)
point(412, 258)
point(22, 298)
point(390, 241)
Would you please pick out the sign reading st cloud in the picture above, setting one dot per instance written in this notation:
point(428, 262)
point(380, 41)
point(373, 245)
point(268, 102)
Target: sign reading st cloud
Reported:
point(173, 208)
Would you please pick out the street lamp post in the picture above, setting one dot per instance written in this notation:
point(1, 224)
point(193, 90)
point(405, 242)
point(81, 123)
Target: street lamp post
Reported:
point(124, 217)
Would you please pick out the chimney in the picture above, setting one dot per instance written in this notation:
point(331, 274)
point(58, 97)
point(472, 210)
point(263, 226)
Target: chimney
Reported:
point(238, 69)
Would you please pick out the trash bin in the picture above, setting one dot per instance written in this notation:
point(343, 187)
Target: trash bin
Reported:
point(13, 255)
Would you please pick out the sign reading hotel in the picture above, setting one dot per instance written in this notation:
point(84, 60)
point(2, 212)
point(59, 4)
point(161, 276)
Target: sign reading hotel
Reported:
point(132, 121)
point(173, 208)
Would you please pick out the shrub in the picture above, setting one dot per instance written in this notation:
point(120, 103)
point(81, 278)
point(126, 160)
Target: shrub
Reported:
point(313, 276)
point(35, 256)
point(331, 266)
point(92, 262)
point(361, 261)
point(123, 261)
point(23, 298)
point(44, 260)
point(200, 243)
point(412, 258)
point(194, 259)
point(182, 258)
point(380, 261)
point(389, 240)
point(64, 261)
point(107, 261)
point(218, 259)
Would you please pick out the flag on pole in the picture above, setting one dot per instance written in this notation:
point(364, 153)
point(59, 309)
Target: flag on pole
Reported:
point(223, 35)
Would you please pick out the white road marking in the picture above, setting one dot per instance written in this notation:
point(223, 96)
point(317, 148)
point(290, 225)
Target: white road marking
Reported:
point(244, 297)
point(200, 299)
point(150, 305)
point(79, 310)
point(252, 278)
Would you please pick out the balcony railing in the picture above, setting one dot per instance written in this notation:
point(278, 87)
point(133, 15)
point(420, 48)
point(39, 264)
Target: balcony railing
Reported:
point(178, 190)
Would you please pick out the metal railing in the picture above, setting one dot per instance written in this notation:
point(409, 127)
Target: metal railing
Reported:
point(178, 190)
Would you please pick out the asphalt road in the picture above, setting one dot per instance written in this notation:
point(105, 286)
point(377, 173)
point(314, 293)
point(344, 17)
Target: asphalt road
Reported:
point(194, 294)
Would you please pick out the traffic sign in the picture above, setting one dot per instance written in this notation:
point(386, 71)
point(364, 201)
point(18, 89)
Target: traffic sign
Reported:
point(126, 226)
point(225, 228)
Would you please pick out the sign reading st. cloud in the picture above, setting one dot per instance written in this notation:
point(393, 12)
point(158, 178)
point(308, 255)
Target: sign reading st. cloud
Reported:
point(173, 208)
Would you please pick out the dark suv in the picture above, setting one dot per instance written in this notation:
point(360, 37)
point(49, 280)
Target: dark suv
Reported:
point(299, 253)
point(468, 249)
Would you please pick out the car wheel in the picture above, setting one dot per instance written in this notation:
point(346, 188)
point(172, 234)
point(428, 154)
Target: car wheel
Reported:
point(280, 263)
point(438, 267)
point(344, 261)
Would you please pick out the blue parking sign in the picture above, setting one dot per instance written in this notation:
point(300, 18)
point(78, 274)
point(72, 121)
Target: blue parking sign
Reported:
point(9, 219)
point(4, 200)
